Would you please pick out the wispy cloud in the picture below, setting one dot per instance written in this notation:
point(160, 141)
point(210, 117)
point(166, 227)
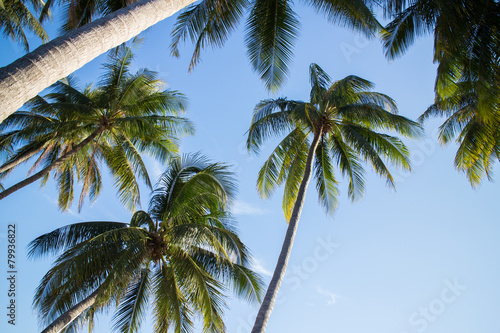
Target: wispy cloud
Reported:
point(258, 267)
point(243, 208)
point(331, 298)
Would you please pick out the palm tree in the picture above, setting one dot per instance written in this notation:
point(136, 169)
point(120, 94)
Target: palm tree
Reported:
point(71, 131)
point(183, 254)
point(478, 138)
point(15, 18)
point(272, 29)
point(343, 118)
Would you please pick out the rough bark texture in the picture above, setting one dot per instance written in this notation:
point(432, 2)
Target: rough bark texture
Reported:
point(279, 272)
point(67, 317)
point(52, 166)
point(37, 70)
point(21, 159)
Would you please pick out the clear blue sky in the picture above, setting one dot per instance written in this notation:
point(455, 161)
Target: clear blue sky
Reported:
point(421, 259)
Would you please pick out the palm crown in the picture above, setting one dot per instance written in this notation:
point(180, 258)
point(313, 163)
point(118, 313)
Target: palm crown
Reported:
point(126, 114)
point(345, 117)
point(183, 254)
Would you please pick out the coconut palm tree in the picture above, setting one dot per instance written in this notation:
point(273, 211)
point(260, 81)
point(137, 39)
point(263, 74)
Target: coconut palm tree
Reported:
point(478, 138)
point(339, 125)
point(181, 257)
point(272, 29)
point(72, 131)
point(16, 18)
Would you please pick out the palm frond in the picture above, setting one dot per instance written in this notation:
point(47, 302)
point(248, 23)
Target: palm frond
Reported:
point(170, 306)
point(355, 14)
point(326, 184)
point(208, 23)
point(68, 236)
point(270, 118)
point(133, 306)
point(271, 31)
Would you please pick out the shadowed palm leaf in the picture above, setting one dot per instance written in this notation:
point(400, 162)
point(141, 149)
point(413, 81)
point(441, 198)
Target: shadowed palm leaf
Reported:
point(466, 41)
point(271, 28)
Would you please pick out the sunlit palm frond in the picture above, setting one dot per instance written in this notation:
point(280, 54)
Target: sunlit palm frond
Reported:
point(270, 118)
point(134, 304)
point(349, 164)
point(326, 183)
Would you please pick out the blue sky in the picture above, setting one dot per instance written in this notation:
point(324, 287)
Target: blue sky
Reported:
point(419, 259)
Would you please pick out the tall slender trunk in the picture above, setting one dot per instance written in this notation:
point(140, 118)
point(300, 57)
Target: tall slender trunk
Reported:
point(53, 165)
point(37, 70)
point(67, 317)
point(21, 159)
point(279, 272)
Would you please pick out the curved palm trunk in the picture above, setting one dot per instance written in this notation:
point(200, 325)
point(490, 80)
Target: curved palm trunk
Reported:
point(37, 70)
point(21, 159)
point(53, 165)
point(67, 317)
point(279, 272)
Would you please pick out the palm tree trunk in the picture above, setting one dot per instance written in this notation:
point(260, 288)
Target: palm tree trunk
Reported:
point(37, 70)
point(20, 159)
point(53, 165)
point(279, 272)
point(67, 317)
